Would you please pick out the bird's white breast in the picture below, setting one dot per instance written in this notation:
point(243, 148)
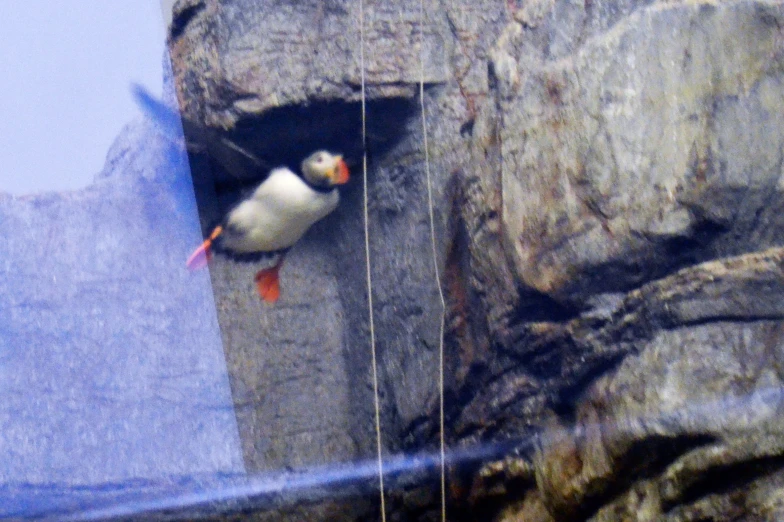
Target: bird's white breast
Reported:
point(280, 211)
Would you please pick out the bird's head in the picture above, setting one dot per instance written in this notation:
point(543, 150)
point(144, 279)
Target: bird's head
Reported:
point(323, 169)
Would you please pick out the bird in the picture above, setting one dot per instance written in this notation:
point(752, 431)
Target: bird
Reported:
point(276, 215)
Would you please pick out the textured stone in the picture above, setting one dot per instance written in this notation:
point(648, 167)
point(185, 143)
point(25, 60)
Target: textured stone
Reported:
point(621, 157)
point(309, 393)
point(591, 151)
point(716, 402)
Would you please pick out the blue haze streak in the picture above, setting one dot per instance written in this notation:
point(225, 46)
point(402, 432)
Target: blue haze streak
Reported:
point(112, 370)
point(265, 491)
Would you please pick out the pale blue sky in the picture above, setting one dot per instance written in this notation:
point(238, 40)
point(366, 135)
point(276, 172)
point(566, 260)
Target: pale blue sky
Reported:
point(64, 88)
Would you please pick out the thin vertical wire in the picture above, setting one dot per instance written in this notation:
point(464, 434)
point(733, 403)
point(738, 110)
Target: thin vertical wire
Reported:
point(367, 260)
point(436, 270)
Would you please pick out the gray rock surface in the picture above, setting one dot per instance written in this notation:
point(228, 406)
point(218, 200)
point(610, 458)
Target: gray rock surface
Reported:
point(621, 157)
point(708, 435)
point(303, 366)
point(588, 157)
point(625, 144)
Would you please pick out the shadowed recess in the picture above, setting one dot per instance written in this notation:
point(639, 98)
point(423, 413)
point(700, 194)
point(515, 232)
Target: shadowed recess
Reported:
point(284, 136)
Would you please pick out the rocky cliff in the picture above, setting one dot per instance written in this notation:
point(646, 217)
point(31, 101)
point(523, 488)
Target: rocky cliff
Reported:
point(608, 199)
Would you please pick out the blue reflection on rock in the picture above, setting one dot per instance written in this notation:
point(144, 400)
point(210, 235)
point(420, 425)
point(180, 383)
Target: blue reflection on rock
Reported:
point(111, 362)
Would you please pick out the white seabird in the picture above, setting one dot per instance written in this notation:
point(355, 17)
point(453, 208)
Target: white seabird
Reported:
point(277, 215)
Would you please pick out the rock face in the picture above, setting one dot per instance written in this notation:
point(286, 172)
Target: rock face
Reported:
point(620, 154)
point(282, 80)
point(705, 441)
point(607, 182)
point(624, 144)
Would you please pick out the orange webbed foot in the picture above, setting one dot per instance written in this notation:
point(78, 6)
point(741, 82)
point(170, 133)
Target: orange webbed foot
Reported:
point(268, 284)
point(202, 255)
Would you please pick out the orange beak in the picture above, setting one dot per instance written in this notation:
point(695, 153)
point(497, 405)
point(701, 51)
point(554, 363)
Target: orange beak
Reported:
point(341, 172)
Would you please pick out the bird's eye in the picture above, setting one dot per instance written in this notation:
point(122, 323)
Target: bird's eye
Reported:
point(320, 159)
